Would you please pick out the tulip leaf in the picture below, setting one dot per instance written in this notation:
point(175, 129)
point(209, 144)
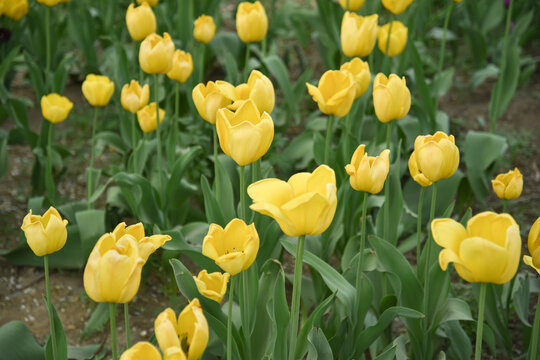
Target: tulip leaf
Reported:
point(319, 348)
point(389, 354)
point(3, 154)
point(460, 344)
point(99, 317)
point(302, 340)
point(520, 297)
point(226, 193)
point(112, 139)
point(280, 72)
point(61, 341)
point(211, 206)
point(83, 352)
point(453, 309)
point(18, 343)
point(91, 223)
point(178, 243)
point(143, 150)
point(282, 316)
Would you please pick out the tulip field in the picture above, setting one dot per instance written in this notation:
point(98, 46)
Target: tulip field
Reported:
point(271, 179)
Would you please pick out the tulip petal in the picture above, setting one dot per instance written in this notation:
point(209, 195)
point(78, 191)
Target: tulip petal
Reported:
point(486, 260)
point(272, 191)
point(305, 212)
point(320, 178)
point(448, 233)
point(166, 330)
point(513, 252)
point(529, 261)
point(141, 350)
point(275, 212)
point(533, 240)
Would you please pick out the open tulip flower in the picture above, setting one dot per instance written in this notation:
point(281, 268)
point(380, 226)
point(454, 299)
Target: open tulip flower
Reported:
point(142, 350)
point(391, 97)
point(335, 93)
point(45, 234)
point(156, 54)
point(134, 96)
point(55, 108)
point(182, 66)
point(140, 21)
point(358, 34)
point(508, 185)
point(258, 88)
point(533, 244)
point(50, 2)
point(368, 173)
point(97, 89)
point(213, 285)
point(204, 29)
point(15, 9)
point(487, 251)
point(398, 38)
point(152, 3)
point(251, 21)
point(396, 6)
point(303, 205)
point(208, 100)
point(147, 117)
point(233, 248)
point(359, 70)
point(147, 244)
point(353, 4)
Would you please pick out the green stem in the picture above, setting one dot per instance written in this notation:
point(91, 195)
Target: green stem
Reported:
point(112, 319)
point(50, 184)
point(535, 331)
point(387, 188)
point(359, 269)
point(295, 301)
point(419, 225)
point(126, 322)
point(505, 204)
point(47, 46)
point(480, 323)
point(264, 46)
point(229, 319)
point(441, 57)
point(242, 193)
point(427, 262)
point(347, 134)
point(246, 63)
point(134, 141)
point(244, 305)
point(386, 57)
point(201, 62)
point(49, 305)
point(216, 168)
point(158, 136)
point(89, 185)
point(328, 142)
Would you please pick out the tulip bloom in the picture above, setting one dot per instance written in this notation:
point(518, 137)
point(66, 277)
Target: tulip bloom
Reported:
point(335, 93)
point(156, 54)
point(147, 117)
point(140, 21)
point(487, 251)
point(233, 248)
point(396, 6)
point(353, 4)
point(55, 108)
point(435, 157)
point(508, 185)
point(533, 244)
point(251, 21)
point(185, 338)
point(141, 350)
point(361, 75)
point(45, 234)
point(304, 205)
point(368, 173)
point(50, 2)
point(391, 97)
point(97, 89)
point(213, 285)
point(182, 66)
point(204, 29)
point(147, 244)
point(244, 135)
point(208, 100)
point(259, 88)
point(134, 96)
point(152, 3)
point(15, 9)
point(358, 34)
point(398, 38)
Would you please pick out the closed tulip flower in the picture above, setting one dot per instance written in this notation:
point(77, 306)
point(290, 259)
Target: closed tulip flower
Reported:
point(335, 93)
point(353, 4)
point(152, 3)
point(534, 247)
point(458, 1)
point(368, 173)
point(208, 100)
point(304, 205)
point(251, 22)
point(391, 97)
point(398, 38)
point(204, 29)
point(45, 234)
point(134, 96)
point(141, 350)
point(245, 135)
point(213, 285)
point(396, 6)
point(259, 88)
point(358, 34)
point(50, 2)
point(140, 21)
point(508, 185)
point(15, 9)
point(147, 244)
point(147, 117)
point(55, 108)
point(361, 75)
point(487, 251)
point(182, 66)
point(156, 54)
point(97, 89)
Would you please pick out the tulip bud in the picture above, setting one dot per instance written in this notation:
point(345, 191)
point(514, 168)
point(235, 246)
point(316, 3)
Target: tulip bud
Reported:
point(147, 117)
point(244, 135)
point(140, 21)
point(213, 285)
point(353, 4)
point(204, 29)
point(368, 173)
point(45, 234)
point(508, 185)
point(50, 2)
point(141, 350)
point(97, 89)
point(398, 38)
point(251, 22)
point(156, 54)
point(304, 205)
point(182, 66)
point(391, 97)
point(15, 9)
point(534, 247)
point(435, 157)
point(335, 92)
point(487, 251)
point(208, 100)
point(152, 3)
point(55, 108)
point(396, 6)
point(361, 75)
point(358, 34)
point(458, 1)
point(134, 96)
point(259, 88)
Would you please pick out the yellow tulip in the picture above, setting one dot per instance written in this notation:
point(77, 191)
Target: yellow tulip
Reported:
point(458, 1)
point(508, 185)
point(182, 66)
point(45, 234)
point(141, 350)
point(147, 117)
point(204, 29)
point(487, 251)
point(147, 244)
point(398, 38)
point(335, 93)
point(140, 21)
point(251, 21)
point(353, 4)
point(134, 96)
point(213, 285)
point(391, 97)
point(396, 6)
point(368, 173)
point(358, 34)
point(97, 89)
point(234, 248)
point(55, 108)
point(49, 2)
point(259, 88)
point(186, 338)
point(435, 157)
point(304, 205)
point(244, 135)
point(152, 3)
point(360, 72)
point(15, 9)
point(156, 54)
point(208, 100)
point(534, 247)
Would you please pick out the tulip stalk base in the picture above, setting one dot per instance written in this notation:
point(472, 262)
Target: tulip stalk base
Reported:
point(50, 183)
point(112, 320)
point(216, 167)
point(295, 301)
point(49, 306)
point(359, 269)
point(419, 225)
point(535, 332)
point(134, 142)
point(229, 319)
point(126, 322)
point(243, 192)
point(480, 323)
point(158, 134)
point(246, 64)
point(89, 185)
point(387, 188)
